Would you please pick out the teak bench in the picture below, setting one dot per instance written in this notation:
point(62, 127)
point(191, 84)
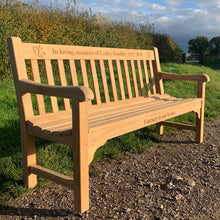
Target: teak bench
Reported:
point(126, 86)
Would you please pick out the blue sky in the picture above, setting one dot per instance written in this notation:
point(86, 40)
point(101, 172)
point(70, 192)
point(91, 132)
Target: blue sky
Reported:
point(182, 19)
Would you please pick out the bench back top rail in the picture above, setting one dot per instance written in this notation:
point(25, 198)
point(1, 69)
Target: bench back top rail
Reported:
point(113, 74)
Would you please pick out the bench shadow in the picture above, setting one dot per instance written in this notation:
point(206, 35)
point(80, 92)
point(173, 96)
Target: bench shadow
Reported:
point(178, 142)
point(31, 212)
point(10, 139)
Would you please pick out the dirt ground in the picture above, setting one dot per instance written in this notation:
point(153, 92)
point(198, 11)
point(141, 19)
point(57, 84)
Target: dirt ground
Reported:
point(177, 179)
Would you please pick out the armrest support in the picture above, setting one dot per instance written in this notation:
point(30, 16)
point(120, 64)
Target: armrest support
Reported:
point(196, 77)
point(80, 93)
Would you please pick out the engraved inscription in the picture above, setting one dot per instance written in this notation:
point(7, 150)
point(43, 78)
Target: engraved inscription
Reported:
point(95, 53)
point(38, 50)
point(159, 117)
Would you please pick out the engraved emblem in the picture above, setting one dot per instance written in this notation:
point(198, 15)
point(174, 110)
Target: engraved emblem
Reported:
point(38, 50)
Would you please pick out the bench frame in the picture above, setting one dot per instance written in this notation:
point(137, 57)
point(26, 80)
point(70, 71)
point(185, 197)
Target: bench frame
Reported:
point(81, 97)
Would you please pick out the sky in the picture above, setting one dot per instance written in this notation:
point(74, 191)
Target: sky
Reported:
point(181, 19)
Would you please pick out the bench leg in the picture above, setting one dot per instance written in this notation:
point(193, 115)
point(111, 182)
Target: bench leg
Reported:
point(199, 126)
point(159, 127)
point(28, 158)
point(80, 156)
point(200, 113)
point(81, 186)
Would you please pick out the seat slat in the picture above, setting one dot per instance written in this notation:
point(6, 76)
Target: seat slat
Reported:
point(36, 78)
point(49, 117)
point(128, 106)
point(50, 80)
point(135, 109)
point(63, 81)
point(125, 102)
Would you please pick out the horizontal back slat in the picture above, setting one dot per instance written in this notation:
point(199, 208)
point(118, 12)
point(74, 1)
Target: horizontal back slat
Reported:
point(55, 52)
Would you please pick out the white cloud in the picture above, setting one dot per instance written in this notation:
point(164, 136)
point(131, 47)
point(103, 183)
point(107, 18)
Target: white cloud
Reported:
point(174, 3)
point(158, 7)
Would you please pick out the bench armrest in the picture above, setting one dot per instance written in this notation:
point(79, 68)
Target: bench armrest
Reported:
point(80, 93)
point(196, 77)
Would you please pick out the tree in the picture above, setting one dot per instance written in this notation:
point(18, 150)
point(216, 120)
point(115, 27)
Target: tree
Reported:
point(215, 45)
point(199, 45)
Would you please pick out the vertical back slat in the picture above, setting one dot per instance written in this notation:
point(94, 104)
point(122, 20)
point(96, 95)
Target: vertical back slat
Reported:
point(112, 77)
point(50, 80)
point(152, 77)
point(84, 73)
point(127, 79)
point(134, 78)
point(104, 81)
point(95, 82)
point(36, 77)
point(120, 79)
point(63, 82)
point(156, 65)
point(146, 77)
point(140, 77)
point(73, 72)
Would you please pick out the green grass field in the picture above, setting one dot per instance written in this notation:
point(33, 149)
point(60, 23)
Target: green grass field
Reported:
point(58, 157)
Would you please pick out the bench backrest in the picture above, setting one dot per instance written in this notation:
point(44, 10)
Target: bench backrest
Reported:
point(112, 74)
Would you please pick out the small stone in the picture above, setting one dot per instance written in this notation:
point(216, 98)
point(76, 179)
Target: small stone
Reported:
point(170, 185)
point(128, 210)
point(202, 191)
point(151, 185)
point(177, 178)
point(190, 182)
point(178, 197)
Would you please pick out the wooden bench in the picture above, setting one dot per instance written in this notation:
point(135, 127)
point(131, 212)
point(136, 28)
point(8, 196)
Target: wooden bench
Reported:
point(121, 91)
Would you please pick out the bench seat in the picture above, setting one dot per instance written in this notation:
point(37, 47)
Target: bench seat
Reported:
point(105, 121)
point(60, 123)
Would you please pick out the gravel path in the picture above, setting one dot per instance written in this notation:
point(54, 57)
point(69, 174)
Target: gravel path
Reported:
point(177, 179)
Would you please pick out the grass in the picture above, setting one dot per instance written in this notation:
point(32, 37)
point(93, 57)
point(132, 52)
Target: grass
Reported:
point(58, 157)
